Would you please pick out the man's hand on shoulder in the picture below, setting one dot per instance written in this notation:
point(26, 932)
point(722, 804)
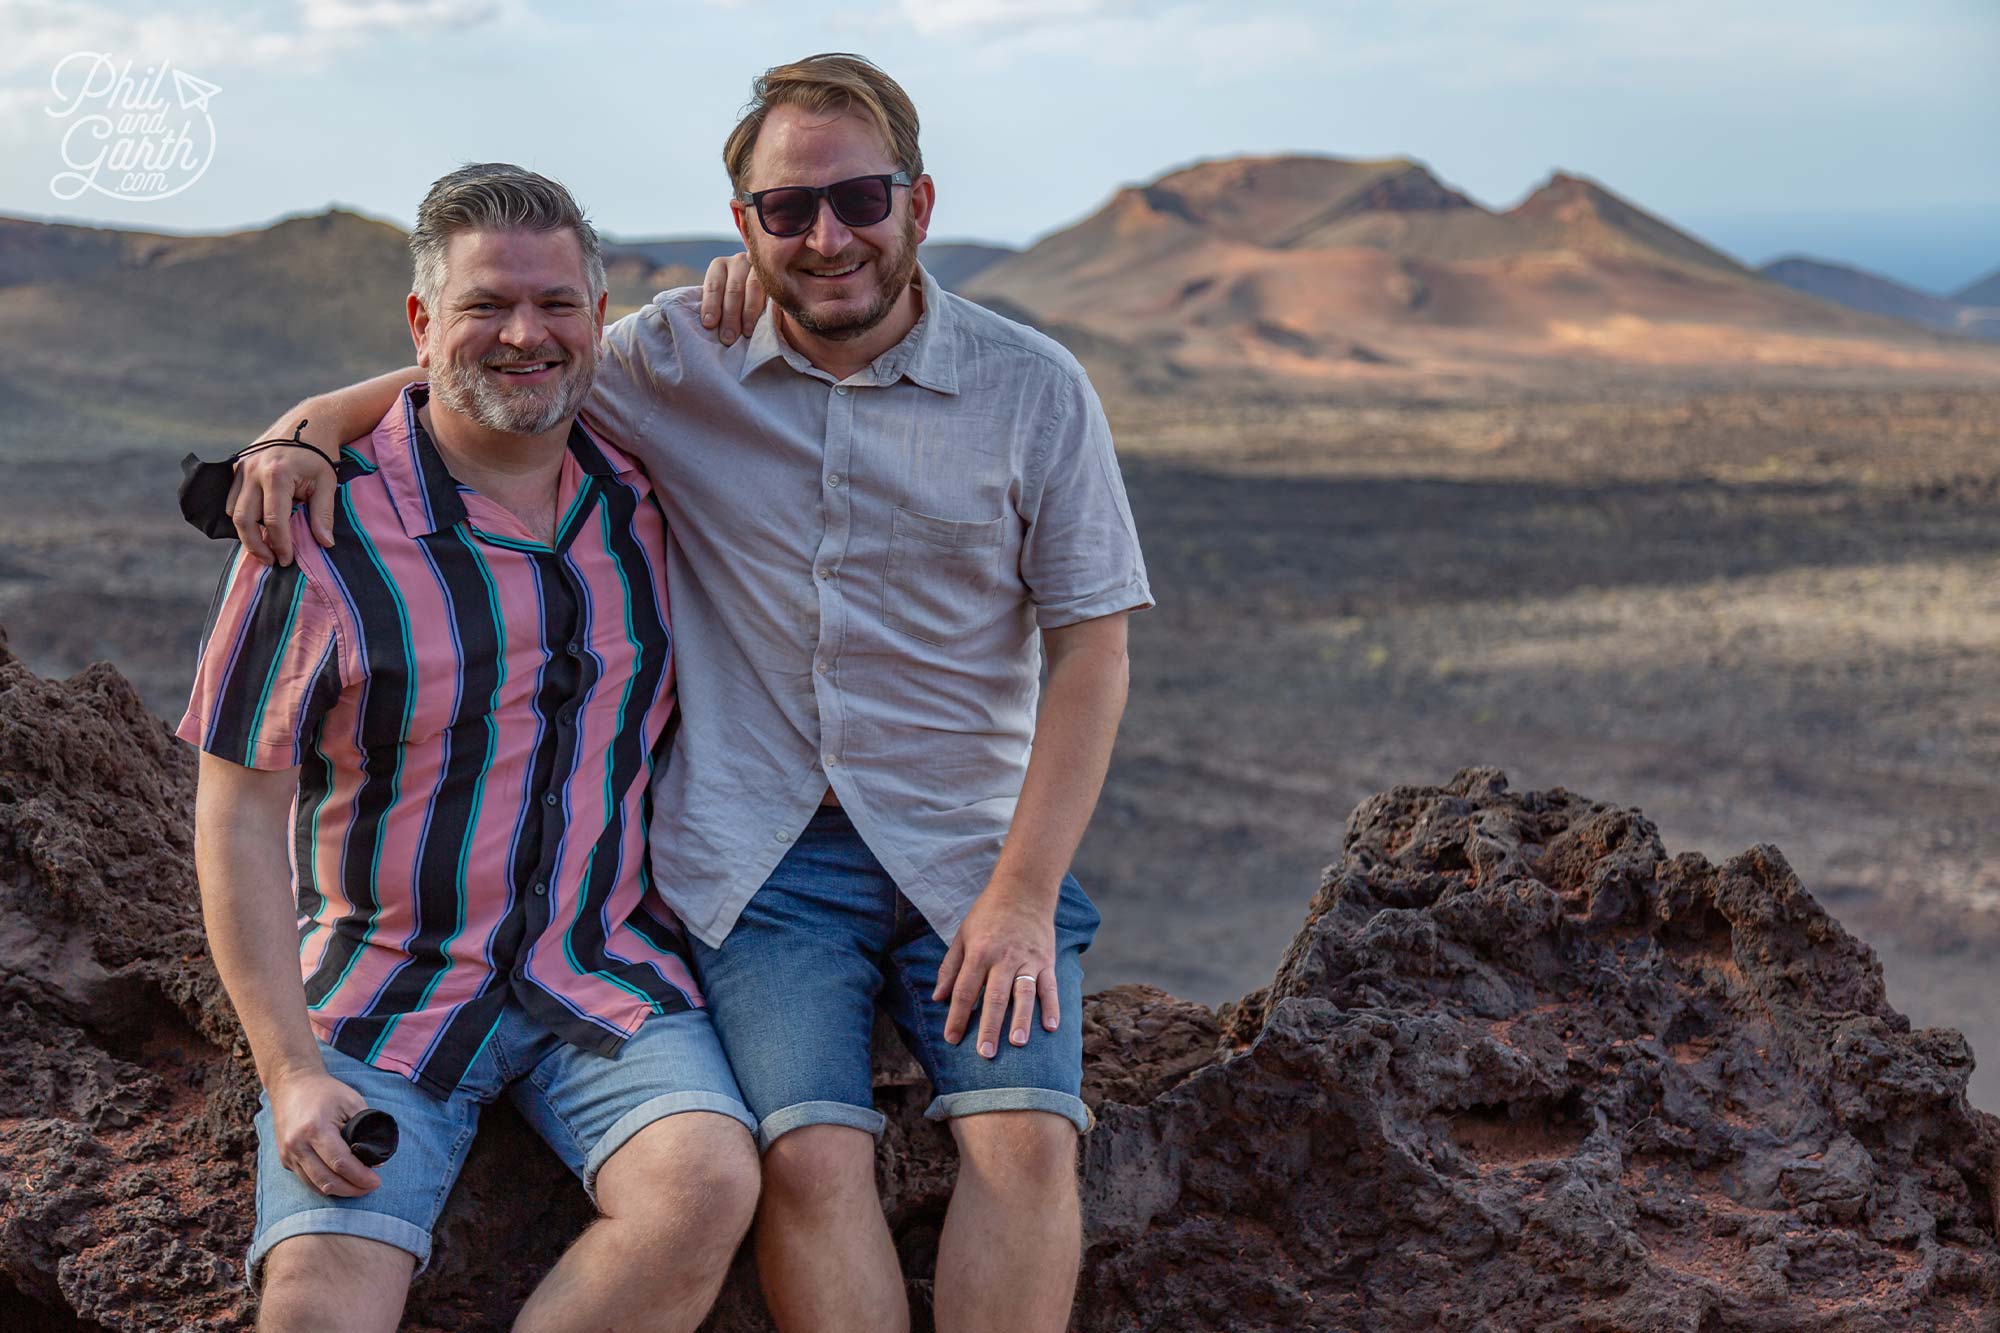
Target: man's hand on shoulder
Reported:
point(307, 1110)
point(732, 299)
point(268, 483)
point(1003, 954)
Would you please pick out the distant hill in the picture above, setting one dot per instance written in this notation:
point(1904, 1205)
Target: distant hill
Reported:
point(139, 337)
point(954, 263)
point(125, 337)
point(689, 252)
point(33, 251)
point(1251, 275)
point(1985, 292)
point(1859, 289)
point(1304, 268)
point(950, 262)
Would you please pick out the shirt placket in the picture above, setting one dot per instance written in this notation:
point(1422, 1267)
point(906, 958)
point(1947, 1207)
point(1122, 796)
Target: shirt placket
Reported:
point(836, 485)
point(565, 678)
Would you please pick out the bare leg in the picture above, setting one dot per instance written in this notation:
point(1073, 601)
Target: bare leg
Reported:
point(823, 1247)
point(1013, 1235)
point(675, 1201)
point(334, 1284)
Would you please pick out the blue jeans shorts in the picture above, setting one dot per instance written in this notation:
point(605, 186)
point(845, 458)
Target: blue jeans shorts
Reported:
point(584, 1104)
point(794, 986)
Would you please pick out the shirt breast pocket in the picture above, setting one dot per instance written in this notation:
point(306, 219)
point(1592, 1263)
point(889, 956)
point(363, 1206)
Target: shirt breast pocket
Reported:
point(944, 575)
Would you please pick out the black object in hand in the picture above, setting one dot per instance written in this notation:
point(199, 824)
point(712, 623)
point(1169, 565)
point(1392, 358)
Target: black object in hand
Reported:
point(205, 498)
point(372, 1137)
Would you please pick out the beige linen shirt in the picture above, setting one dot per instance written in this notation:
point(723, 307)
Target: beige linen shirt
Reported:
point(858, 572)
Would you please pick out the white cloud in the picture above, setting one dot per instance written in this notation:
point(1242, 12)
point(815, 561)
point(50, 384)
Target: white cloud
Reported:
point(209, 42)
point(302, 32)
point(394, 16)
point(1199, 39)
point(933, 17)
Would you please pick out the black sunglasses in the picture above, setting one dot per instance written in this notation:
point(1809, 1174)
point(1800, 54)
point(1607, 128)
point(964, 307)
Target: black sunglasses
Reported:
point(791, 210)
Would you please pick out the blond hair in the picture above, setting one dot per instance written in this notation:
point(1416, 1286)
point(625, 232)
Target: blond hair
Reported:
point(833, 83)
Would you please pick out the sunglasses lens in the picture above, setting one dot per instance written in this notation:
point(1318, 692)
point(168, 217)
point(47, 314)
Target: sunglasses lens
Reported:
point(787, 212)
point(860, 203)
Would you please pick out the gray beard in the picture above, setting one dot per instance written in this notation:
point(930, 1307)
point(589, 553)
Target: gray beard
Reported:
point(525, 411)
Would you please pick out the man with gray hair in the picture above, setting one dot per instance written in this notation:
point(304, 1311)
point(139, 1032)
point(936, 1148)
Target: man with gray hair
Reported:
point(440, 732)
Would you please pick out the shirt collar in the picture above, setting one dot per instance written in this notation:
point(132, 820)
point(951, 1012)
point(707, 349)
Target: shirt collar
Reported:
point(421, 486)
point(924, 355)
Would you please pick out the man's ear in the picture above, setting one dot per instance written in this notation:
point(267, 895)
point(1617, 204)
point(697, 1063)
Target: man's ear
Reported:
point(420, 326)
point(603, 300)
point(739, 213)
point(923, 198)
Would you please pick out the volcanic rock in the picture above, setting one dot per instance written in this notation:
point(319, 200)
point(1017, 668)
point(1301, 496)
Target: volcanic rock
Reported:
point(1520, 1068)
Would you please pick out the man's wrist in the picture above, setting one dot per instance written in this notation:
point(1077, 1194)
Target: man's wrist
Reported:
point(292, 1069)
point(1031, 889)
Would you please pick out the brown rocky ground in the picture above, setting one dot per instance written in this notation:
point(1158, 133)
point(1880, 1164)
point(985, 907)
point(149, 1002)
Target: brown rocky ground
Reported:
point(1520, 1068)
point(1759, 615)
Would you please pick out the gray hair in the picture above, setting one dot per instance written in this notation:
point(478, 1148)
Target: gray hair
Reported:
point(494, 196)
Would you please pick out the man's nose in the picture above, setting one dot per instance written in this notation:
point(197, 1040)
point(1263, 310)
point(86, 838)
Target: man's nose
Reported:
point(524, 327)
point(829, 235)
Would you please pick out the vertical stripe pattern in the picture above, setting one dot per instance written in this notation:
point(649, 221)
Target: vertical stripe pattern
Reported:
point(475, 717)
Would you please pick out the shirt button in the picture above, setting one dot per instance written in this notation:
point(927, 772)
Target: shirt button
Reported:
point(825, 571)
point(833, 479)
point(782, 837)
point(831, 760)
point(840, 389)
point(548, 798)
point(820, 667)
point(541, 889)
point(574, 650)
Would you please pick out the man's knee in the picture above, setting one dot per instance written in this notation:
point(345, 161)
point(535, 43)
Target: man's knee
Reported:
point(333, 1282)
point(1031, 1148)
point(697, 1163)
point(820, 1166)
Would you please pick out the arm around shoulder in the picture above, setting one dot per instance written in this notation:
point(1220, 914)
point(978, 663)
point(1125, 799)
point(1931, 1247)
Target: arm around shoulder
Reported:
point(270, 481)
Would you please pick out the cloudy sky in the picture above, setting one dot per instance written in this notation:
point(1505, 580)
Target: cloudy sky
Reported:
point(1858, 130)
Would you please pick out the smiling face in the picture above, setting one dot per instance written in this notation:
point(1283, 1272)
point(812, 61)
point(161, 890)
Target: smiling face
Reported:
point(512, 342)
point(834, 281)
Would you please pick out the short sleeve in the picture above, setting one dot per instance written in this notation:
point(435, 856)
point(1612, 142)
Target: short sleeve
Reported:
point(636, 361)
point(269, 668)
point(1080, 558)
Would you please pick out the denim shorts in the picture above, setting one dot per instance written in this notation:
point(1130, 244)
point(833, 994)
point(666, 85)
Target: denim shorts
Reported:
point(794, 986)
point(584, 1104)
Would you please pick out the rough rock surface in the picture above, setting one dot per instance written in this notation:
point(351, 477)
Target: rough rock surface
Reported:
point(1520, 1068)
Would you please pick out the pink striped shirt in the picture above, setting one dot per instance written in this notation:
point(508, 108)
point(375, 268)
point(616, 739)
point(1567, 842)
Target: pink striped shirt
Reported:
point(475, 718)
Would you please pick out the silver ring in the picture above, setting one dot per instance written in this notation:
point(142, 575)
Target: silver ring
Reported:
point(1025, 976)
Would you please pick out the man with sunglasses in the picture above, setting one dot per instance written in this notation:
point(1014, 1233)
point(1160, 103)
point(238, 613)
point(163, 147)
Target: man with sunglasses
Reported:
point(887, 508)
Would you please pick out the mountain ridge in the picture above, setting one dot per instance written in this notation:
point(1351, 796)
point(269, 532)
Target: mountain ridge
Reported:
point(112, 334)
point(1311, 267)
point(1242, 275)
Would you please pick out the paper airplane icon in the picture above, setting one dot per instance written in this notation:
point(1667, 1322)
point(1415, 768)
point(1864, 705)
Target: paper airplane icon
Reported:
point(194, 93)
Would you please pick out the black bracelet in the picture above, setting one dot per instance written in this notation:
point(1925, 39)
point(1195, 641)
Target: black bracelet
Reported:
point(293, 440)
point(204, 490)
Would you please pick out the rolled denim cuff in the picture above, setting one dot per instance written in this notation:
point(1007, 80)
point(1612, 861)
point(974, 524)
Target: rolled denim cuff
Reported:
point(979, 1100)
point(800, 1114)
point(644, 1114)
point(341, 1222)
